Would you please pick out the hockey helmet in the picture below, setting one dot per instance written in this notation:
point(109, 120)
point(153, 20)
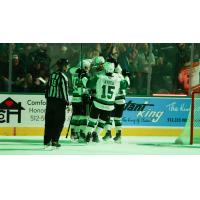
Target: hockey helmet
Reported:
point(109, 67)
point(86, 63)
point(62, 62)
point(99, 60)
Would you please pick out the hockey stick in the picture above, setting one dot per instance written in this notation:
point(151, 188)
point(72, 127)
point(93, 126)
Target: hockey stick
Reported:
point(67, 134)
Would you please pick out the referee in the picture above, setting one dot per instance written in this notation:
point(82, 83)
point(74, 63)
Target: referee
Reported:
point(57, 100)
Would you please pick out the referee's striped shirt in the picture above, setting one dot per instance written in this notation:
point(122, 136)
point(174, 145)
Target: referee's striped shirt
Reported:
point(57, 86)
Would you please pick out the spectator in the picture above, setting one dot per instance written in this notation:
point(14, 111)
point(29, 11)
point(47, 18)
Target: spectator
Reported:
point(161, 81)
point(40, 56)
point(18, 74)
point(34, 61)
point(143, 66)
point(25, 57)
point(4, 67)
point(182, 56)
point(106, 50)
point(93, 53)
point(28, 84)
point(73, 53)
point(113, 55)
point(132, 63)
point(37, 72)
point(123, 58)
point(56, 52)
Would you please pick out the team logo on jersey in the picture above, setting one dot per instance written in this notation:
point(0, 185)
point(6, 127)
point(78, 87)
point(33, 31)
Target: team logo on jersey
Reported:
point(9, 108)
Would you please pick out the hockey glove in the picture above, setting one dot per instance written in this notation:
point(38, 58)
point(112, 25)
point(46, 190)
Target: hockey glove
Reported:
point(125, 73)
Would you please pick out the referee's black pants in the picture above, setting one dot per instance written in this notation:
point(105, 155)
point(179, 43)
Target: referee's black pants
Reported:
point(54, 120)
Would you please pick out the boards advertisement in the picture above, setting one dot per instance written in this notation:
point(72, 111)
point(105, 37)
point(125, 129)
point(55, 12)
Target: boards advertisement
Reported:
point(29, 111)
point(156, 111)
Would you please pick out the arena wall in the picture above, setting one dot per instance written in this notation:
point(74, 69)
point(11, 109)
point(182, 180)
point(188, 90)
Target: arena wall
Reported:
point(23, 115)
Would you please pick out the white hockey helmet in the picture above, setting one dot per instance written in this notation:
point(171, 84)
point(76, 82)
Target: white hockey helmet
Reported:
point(86, 64)
point(109, 67)
point(89, 60)
point(99, 60)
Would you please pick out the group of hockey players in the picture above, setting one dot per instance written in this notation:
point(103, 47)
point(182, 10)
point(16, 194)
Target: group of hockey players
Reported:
point(99, 90)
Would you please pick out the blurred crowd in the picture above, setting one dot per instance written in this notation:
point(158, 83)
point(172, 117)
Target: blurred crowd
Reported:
point(154, 68)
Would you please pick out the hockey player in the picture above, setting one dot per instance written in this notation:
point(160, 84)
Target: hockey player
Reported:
point(79, 81)
point(117, 113)
point(107, 87)
point(98, 68)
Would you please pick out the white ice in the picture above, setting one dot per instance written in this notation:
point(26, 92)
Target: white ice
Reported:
point(21, 145)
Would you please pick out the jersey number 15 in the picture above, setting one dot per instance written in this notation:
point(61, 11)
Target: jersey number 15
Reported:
point(107, 91)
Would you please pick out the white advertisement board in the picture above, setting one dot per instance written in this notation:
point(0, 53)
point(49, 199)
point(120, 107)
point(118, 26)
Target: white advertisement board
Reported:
point(24, 110)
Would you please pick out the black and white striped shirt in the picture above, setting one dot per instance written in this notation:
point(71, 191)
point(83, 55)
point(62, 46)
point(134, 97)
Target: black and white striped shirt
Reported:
point(57, 86)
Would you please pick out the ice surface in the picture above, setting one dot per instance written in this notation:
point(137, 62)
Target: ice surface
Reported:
point(21, 145)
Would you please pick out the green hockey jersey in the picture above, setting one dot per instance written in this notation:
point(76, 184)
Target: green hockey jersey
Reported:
point(78, 85)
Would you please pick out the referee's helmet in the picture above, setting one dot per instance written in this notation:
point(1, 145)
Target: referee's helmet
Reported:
point(62, 62)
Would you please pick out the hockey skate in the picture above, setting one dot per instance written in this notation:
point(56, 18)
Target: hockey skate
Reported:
point(74, 136)
point(117, 138)
point(47, 147)
point(107, 136)
point(95, 137)
point(88, 137)
point(82, 138)
point(55, 145)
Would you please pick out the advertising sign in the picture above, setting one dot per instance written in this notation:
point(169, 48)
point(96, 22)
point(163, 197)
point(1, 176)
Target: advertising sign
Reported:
point(23, 110)
point(29, 111)
point(156, 111)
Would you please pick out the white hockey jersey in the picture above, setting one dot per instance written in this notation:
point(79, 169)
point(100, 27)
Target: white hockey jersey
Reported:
point(107, 88)
point(120, 97)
